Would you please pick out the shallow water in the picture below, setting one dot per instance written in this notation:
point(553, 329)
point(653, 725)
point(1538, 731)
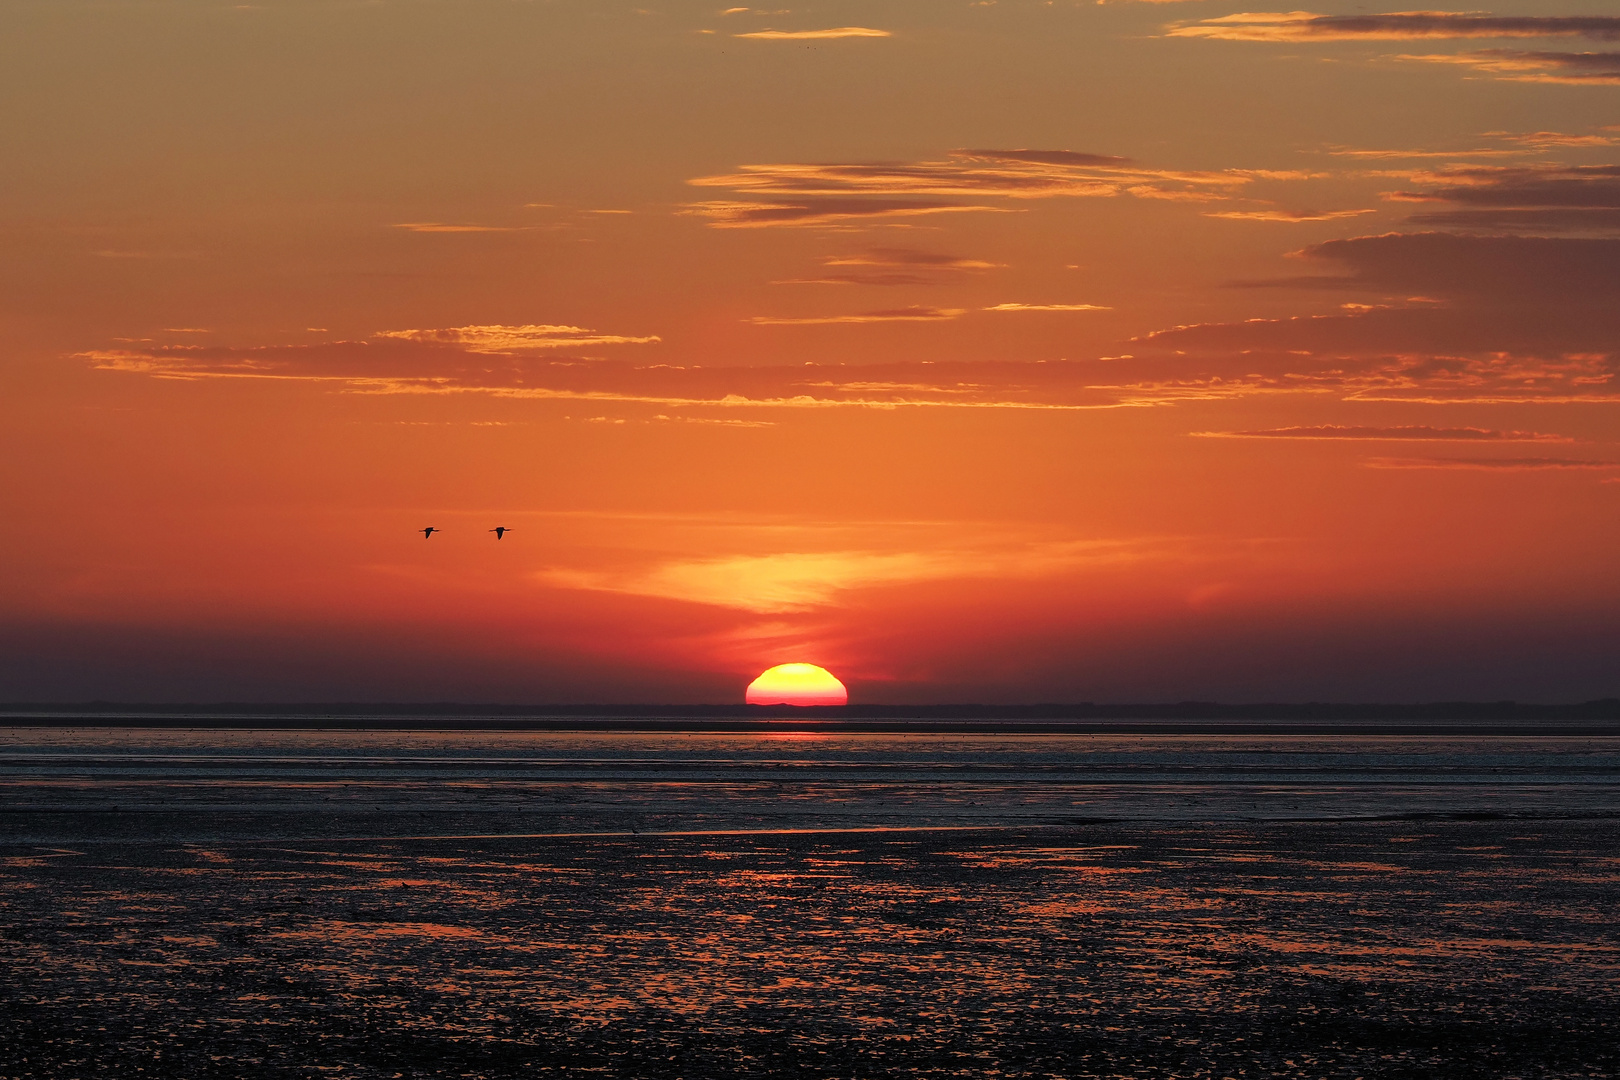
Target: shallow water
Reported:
point(216, 783)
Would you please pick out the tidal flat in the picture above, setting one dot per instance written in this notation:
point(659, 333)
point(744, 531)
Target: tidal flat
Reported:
point(318, 905)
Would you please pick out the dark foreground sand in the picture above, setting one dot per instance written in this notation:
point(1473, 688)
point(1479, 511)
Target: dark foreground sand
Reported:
point(1376, 949)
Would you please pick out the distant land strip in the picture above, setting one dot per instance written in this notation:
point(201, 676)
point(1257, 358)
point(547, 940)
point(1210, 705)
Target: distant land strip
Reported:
point(1597, 718)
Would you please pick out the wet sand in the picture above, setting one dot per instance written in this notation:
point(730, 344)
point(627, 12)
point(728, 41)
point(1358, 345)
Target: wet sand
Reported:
point(247, 918)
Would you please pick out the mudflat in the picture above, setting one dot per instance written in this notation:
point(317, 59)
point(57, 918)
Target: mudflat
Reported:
point(830, 929)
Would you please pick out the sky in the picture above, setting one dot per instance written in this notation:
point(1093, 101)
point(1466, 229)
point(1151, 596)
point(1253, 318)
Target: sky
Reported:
point(997, 351)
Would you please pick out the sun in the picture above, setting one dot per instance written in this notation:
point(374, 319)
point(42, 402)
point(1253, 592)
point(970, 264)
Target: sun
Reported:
point(797, 684)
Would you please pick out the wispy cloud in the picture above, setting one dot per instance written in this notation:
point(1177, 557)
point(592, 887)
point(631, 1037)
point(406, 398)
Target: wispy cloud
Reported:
point(716, 421)
point(1216, 362)
point(905, 314)
point(894, 266)
point(1403, 433)
point(889, 277)
point(1529, 464)
point(114, 253)
point(1521, 185)
point(1570, 69)
point(1510, 319)
point(394, 366)
point(785, 582)
point(916, 314)
point(1460, 317)
point(1017, 174)
point(908, 257)
point(1297, 26)
point(1526, 220)
point(1333, 356)
point(1069, 159)
point(1561, 197)
point(815, 35)
point(1289, 216)
point(1413, 155)
point(1486, 271)
point(1542, 139)
point(1046, 307)
point(503, 339)
point(1520, 143)
point(801, 194)
point(449, 227)
point(816, 211)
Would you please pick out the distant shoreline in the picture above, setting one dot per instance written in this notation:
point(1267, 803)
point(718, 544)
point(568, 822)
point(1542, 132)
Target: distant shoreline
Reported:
point(1593, 718)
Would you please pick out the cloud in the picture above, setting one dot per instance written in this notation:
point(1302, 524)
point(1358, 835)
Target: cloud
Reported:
point(1047, 307)
point(1292, 216)
point(815, 35)
point(1567, 198)
point(445, 227)
point(1521, 186)
point(1326, 356)
point(400, 366)
point(894, 266)
point(816, 211)
point(1067, 158)
point(910, 257)
point(1509, 319)
point(717, 421)
point(1520, 270)
point(1403, 433)
point(916, 314)
point(1541, 139)
point(1528, 142)
point(1362, 357)
point(784, 582)
point(1017, 174)
point(1534, 464)
point(884, 386)
point(905, 314)
point(109, 253)
point(1297, 26)
point(814, 194)
point(1146, 381)
point(501, 339)
point(1515, 219)
point(1508, 65)
point(863, 279)
point(1572, 69)
point(1476, 318)
point(1487, 152)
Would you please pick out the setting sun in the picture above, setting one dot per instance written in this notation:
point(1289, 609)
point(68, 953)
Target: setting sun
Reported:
point(797, 684)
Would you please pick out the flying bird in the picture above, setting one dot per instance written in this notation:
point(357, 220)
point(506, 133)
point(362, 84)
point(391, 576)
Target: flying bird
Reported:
point(500, 531)
point(427, 533)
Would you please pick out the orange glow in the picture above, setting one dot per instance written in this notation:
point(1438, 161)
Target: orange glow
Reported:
point(967, 409)
point(797, 684)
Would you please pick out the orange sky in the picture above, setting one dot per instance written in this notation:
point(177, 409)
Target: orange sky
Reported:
point(1008, 351)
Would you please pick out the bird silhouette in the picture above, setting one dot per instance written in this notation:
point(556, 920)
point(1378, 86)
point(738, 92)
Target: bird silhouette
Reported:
point(427, 533)
point(500, 531)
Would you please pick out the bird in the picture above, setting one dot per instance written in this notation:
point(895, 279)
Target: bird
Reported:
point(500, 531)
point(427, 533)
